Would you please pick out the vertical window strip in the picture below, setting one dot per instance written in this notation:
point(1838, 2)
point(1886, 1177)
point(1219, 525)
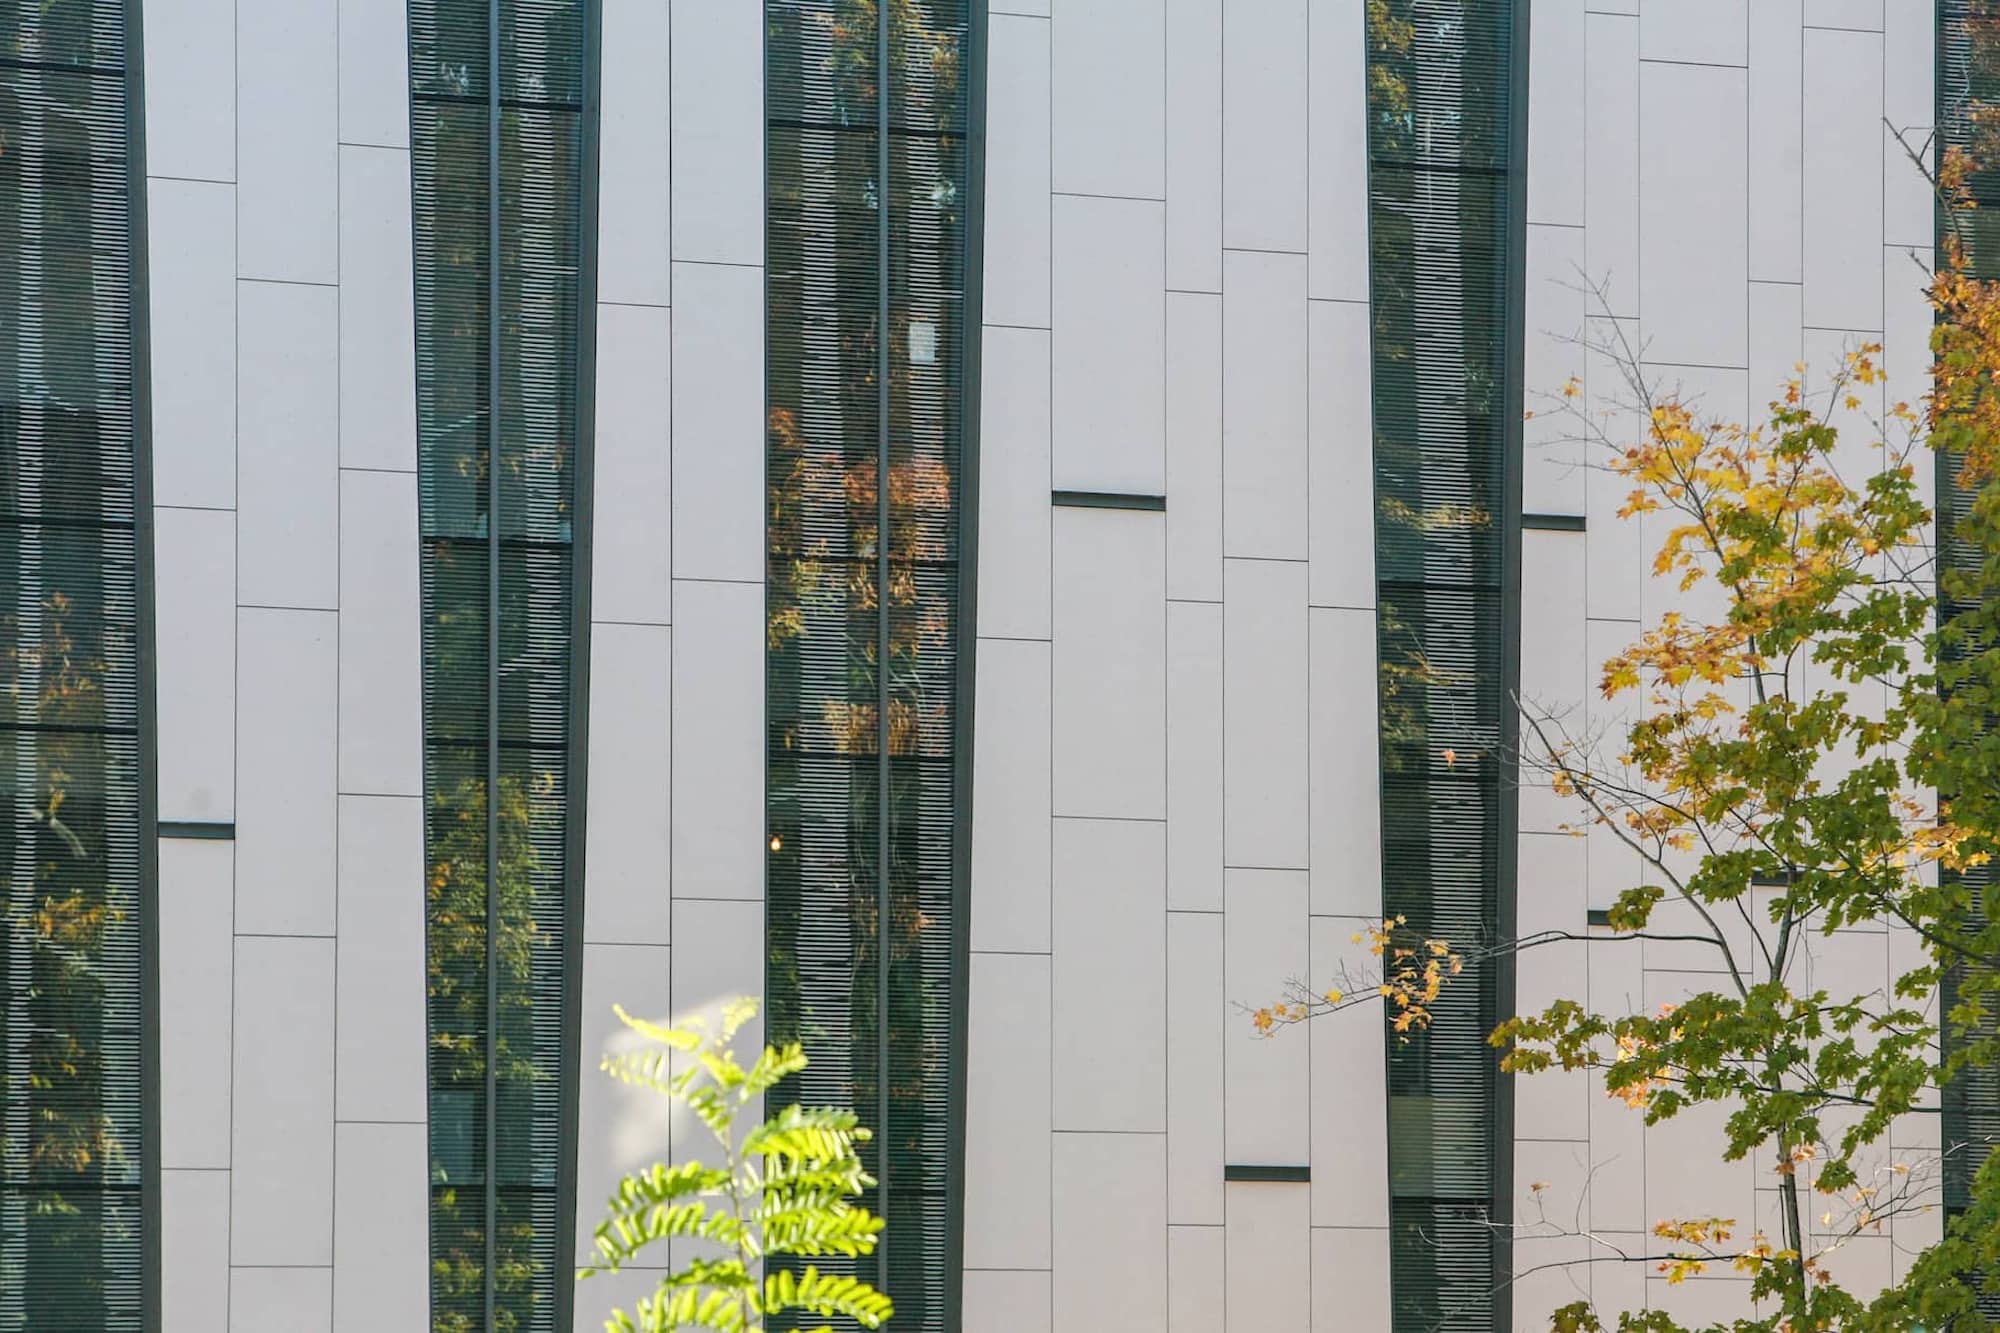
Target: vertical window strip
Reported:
point(1443, 105)
point(871, 274)
point(1968, 77)
point(501, 91)
point(78, 1159)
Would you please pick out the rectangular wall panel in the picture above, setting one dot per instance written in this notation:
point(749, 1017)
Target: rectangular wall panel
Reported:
point(195, 609)
point(288, 180)
point(632, 502)
point(1265, 670)
point(286, 763)
point(620, 1128)
point(1110, 1231)
point(627, 899)
point(281, 1142)
point(1337, 138)
point(288, 446)
point(381, 679)
point(1195, 755)
point(1108, 345)
point(1016, 258)
point(1843, 180)
point(718, 838)
point(379, 1272)
point(379, 1051)
point(1264, 404)
point(1110, 680)
point(1343, 736)
point(1198, 1036)
point(378, 355)
point(300, 1298)
point(718, 162)
point(374, 75)
point(1194, 446)
point(191, 235)
point(1692, 193)
point(1349, 1186)
point(1264, 126)
point(1197, 1281)
point(1340, 453)
point(1110, 964)
point(1010, 824)
point(1194, 145)
point(1268, 1244)
point(1269, 1104)
point(1008, 1116)
point(635, 151)
point(196, 980)
point(190, 91)
point(717, 422)
point(194, 1250)
point(1014, 483)
point(1108, 98)
point(1777, 142)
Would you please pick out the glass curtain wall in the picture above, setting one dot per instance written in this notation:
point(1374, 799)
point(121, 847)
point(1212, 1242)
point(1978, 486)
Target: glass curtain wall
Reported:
point(1442, 182)
point(501, 159)
point(1968, 88)
point(75, 787)
point(871, 268)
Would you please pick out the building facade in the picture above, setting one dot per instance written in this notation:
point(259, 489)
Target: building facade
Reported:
point(515, 506)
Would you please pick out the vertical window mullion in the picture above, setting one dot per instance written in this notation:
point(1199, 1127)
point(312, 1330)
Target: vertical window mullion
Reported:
point(884, 772)
point(489, 1230)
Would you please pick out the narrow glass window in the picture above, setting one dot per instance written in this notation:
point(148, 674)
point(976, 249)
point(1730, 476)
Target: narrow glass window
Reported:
point(75, 866)
point(498, 104)
point(871, 355)
point(1968, 80)
point(1443, 85)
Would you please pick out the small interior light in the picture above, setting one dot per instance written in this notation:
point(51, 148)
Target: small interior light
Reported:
point(777, 843)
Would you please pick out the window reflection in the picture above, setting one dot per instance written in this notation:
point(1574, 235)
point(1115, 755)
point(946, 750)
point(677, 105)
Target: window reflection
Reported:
point(1968, 119)
point(497, 401)
point(70, 1063)
point(1440, 94)
point(862, 584)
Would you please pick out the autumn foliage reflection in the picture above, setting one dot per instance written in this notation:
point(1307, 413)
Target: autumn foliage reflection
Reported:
point(866, 284)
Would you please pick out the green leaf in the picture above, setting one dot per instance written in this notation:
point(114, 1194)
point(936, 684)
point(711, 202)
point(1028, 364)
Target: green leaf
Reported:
point(790, 1188)
point(820, 1134)
point(825, 1294)
point(773, 1067)
point(643, 1069)
point(680, 1039)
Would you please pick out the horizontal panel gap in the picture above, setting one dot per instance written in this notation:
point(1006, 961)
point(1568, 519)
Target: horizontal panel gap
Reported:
point(1108, 500)
point(198, 830)
point(1268, 1174)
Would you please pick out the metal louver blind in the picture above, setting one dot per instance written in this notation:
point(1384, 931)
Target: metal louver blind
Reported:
point(869, 229)
point(1968, 78)
point(498, 134)
point(1442, 171)
point(74, 874)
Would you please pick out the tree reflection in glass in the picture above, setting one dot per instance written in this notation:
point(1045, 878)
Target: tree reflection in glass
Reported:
point(866, 363)
point(70, 946)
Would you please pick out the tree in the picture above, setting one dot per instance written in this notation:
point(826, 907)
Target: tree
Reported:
point(783, 1192)
point(1813, 752)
